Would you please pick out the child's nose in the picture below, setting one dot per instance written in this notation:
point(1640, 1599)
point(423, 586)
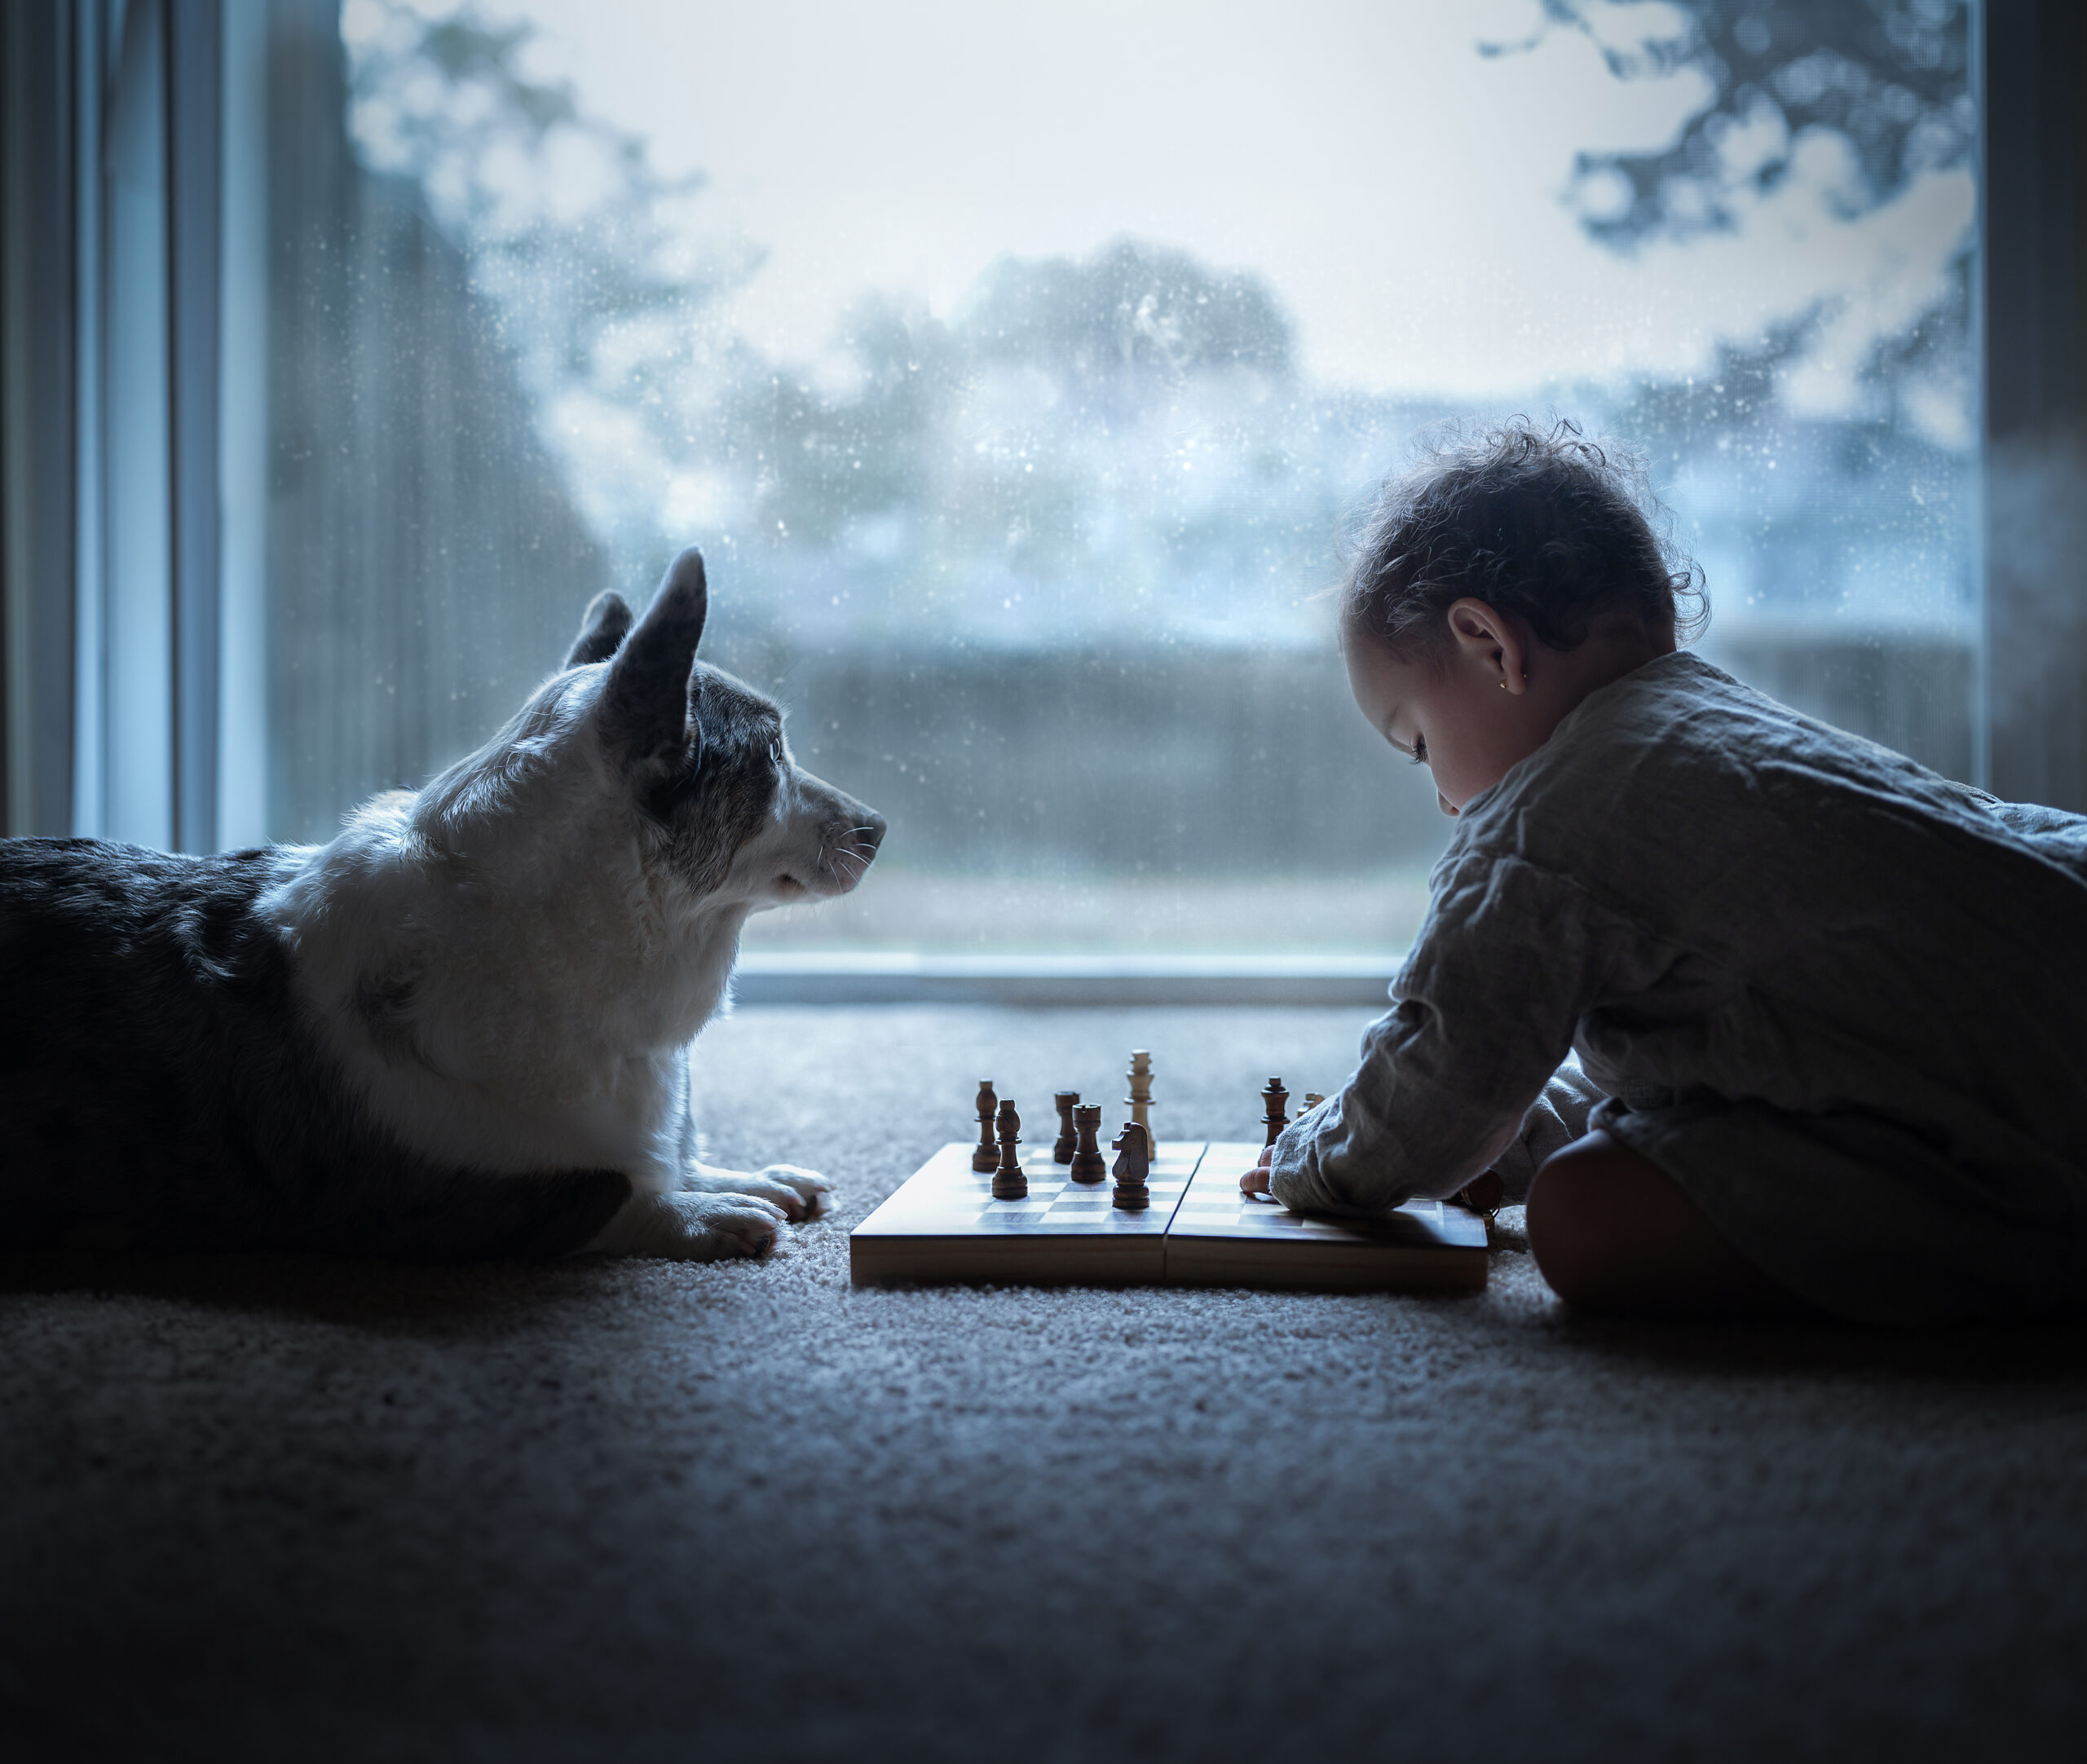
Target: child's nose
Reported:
point(1448, 807)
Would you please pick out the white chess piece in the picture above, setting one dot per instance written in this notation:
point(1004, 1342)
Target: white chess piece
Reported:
point(1140, 1096)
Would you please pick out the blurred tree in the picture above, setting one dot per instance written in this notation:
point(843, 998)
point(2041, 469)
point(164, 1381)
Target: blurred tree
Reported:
point(1889, 78)
point(593, 256)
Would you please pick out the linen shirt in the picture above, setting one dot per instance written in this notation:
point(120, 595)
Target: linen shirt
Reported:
point(1840, 999)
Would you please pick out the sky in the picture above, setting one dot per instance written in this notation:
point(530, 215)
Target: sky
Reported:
point(1403, 194)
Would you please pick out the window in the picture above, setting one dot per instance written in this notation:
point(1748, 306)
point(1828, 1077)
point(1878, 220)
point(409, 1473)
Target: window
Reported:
point(1017, 370)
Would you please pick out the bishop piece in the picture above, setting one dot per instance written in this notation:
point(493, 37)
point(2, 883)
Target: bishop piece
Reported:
point(985, 1156)
point(1009, 1184)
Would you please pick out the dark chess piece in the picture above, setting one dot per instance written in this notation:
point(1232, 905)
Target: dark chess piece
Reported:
point(1067, 1101)
point(1088, 1164)
point(986, 1157)
point(1274, 1099)
point(1009, 1184)
point(1132, 1167)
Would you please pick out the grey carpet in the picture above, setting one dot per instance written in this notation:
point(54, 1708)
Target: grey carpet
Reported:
point(277, 1509)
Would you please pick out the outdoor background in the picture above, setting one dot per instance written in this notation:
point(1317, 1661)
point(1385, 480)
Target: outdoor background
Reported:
point(1018, 368)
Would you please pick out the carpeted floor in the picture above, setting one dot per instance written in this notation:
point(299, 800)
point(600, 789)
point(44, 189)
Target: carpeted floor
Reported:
point(318, 1510)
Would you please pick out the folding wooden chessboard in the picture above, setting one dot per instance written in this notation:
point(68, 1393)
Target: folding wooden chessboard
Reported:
point(943, 1223)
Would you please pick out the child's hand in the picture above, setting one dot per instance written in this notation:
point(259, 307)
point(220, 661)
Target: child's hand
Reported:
point(1256, 1181)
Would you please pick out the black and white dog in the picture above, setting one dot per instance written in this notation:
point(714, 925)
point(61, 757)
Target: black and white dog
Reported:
point(461, 1029)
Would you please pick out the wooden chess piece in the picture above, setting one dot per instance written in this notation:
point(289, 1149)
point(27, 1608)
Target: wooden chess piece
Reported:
point(1274, 1099)
point(1132, 1167)
point(1088, 1164)
point(1067, 1101)
point(1009, 1184)
point(985, 1156)
point(1312, 1099)
point(1140, 1096)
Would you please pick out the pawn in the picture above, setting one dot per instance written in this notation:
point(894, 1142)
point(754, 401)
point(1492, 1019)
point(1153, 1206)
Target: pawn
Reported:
point(1009, 1184)
point(1274, 1099)
point(1088, 1164)
point(1067, 1101)
point(986, 1155)
point(1132, 1168)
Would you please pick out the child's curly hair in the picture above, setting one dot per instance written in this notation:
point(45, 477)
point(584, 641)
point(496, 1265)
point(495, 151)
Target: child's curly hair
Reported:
point(1542, 524)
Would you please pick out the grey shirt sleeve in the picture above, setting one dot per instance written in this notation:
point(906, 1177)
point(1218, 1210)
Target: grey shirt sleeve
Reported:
point(1453, 1081)
point(1554, 1120)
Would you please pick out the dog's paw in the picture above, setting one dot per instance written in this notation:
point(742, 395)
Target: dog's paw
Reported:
point(802, 1194)
point(811, 1195)
point(693, 1228)
point(721, 1225)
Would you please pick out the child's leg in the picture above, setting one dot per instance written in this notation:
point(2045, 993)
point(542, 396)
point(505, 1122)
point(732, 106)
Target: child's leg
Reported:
point(1611, 1231)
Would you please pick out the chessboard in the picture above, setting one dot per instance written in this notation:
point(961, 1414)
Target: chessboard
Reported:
point(943, 1223)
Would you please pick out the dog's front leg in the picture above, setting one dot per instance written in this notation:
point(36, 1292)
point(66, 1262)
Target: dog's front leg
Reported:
point(802, 1194)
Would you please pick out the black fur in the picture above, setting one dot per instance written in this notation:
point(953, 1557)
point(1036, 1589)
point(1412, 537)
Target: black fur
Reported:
point(704, 750)
point(158, 1088)
point(734, 770)
point(645, 703)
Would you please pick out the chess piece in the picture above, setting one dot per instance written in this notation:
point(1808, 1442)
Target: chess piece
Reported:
point(1132, 1167)
point(1274, 1099)
point(1067, 1101)
point(1088, 1164)
point(1312, 1099)
point(985, 1156)
point(1009, 1184)
point(1140, 1096)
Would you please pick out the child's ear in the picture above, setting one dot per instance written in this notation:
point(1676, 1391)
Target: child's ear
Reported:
point(1491, 642)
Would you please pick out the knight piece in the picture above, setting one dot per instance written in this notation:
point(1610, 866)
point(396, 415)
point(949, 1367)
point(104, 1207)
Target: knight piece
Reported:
point(1067, 1101)
point(1274, 1099)
point(1088, 1164)
point(1009, 1184)
point(1140, 1096)
point(985, 1156)
point(1132, 1166)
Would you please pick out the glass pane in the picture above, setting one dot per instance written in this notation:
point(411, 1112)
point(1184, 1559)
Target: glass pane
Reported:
point(1016, 368)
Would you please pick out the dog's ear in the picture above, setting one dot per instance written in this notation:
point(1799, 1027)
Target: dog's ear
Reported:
point(644, 707)
point(608, 618)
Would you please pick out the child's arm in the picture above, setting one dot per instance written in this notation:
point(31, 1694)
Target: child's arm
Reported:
point(1511, 957)
point(1552, 1121)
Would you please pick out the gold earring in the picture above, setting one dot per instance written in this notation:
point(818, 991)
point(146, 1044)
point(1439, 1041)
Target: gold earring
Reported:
point(1503, 682)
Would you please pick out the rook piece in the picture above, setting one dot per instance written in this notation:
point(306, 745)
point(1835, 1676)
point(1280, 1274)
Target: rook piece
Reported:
point(1009, 1184)
point(1140, 1096)
point(1067, 1101)
point(1274, 1098)
point(1088, 1164)
point(1132, 1167)
point(987, 1158)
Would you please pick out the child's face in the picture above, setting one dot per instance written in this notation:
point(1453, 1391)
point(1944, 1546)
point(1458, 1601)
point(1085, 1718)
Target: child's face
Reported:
point(1489, 695)
point(1439, 713)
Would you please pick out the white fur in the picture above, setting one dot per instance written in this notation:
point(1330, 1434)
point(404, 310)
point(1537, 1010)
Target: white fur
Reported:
point(555, 969)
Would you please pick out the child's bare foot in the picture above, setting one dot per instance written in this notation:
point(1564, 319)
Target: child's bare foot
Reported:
point(1611, 1231)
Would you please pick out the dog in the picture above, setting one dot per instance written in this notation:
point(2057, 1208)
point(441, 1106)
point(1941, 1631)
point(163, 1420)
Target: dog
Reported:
point(459, 1031)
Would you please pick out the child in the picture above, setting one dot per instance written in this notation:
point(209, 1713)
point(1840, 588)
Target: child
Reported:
point(1829, 1009)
